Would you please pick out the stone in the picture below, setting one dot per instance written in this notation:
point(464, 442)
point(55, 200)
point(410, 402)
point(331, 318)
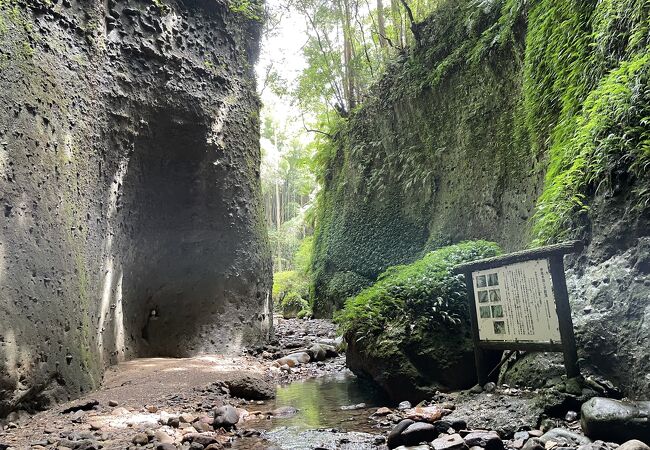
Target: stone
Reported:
point(489, 387)
point(203, 439)
point(404, 405)
point(633, 444)
point(383, 411)
point(317, 352)
point(140, 439)
point(616, 420)
point(394, 438)
point(571, 416)
point(251, 387)
point(489, 440)
point(533, 444)
point(425, 413)
point(284, 411)
point(522, 435)
point(560, 435)
point(419, 432)
point(162, 437)
point(165, 446)
point(112, 403)
point(450, 442)
point(225, 416)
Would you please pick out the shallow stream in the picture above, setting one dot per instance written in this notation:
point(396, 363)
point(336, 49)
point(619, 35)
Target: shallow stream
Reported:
point(320, 421)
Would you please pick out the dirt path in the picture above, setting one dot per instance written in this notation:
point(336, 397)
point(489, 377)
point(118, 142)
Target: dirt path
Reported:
point(163, 400)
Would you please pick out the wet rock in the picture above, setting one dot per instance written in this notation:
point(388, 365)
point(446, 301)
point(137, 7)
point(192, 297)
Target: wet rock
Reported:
point(614, 420)
point(489, 440)
point(404, 405)
point(383, 411)
point(451, 442)
point(284, 411)
point(394, 438)
point(571, 416)
point(354, 407)
point(251, 387)
point(225, 416)
point(419, 432)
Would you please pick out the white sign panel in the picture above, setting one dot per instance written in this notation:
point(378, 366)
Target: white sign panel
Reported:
point(515, 303)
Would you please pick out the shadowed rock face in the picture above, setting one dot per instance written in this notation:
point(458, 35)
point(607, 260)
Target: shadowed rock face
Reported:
point(129, 182)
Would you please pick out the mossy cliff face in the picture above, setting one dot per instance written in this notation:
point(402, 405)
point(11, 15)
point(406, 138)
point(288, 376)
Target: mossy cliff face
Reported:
point(130, 188)
point(523, 123)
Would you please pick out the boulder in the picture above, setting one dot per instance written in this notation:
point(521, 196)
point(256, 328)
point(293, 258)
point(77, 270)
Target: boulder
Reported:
point(419, 432)
point(634, 444)
point(225, 416)
point(251, 387)
point(395, 436)
point(615, 420)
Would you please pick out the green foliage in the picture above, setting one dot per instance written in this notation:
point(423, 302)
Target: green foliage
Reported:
point(293, 304)
point(422, 295)
point(289, 282)
point(250, 9)
point(587, 101)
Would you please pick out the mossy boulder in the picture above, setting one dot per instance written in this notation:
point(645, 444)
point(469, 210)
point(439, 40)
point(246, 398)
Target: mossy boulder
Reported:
point(293, 305)
point(410, 331)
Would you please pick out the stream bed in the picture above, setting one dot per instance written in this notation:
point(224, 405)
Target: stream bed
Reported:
point(320, 421)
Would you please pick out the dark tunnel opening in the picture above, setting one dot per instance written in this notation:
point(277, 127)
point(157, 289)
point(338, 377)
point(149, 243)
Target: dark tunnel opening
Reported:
point(172, 224)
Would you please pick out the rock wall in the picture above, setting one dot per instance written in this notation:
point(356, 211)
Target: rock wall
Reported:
point(518, 122)
point(129, 154)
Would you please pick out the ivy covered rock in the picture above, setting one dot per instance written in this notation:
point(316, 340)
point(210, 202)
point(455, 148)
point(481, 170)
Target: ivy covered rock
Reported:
point(294, 305)
point(410, 331)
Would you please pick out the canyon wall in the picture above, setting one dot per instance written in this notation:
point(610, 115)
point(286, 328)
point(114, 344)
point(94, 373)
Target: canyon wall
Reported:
point(129, 159)
point(524, 123)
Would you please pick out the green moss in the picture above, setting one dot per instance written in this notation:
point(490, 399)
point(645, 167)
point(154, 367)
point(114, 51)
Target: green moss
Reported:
point(423, 293)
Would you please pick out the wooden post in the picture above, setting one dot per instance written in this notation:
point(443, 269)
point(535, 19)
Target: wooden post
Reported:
point(479, 354)
point(564, 316)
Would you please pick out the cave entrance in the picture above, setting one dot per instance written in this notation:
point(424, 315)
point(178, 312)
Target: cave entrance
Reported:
point(172, 214)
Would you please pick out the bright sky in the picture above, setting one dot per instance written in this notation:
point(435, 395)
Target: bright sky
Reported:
point(281, 50)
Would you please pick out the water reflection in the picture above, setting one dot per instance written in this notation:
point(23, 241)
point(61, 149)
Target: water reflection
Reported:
point(319, 403)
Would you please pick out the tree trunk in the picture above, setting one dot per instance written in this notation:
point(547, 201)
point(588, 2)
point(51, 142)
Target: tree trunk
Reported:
point(381, 25)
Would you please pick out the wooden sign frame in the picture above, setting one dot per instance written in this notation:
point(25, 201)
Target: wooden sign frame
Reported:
point(554, 254)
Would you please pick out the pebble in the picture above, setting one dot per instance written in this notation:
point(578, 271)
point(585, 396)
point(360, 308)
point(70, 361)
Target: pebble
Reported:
point(404, 405)
point(140, 439)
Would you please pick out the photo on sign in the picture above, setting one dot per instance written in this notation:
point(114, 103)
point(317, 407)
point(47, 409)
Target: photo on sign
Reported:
point(483, 296)
point(495, 296)
point(497, 311)
point(499, 327)
point(481, 281)
point(484, 312)
point(493, 279)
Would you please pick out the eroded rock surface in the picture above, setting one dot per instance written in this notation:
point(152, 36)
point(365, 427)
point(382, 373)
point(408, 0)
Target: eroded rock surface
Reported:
point(129, 157)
